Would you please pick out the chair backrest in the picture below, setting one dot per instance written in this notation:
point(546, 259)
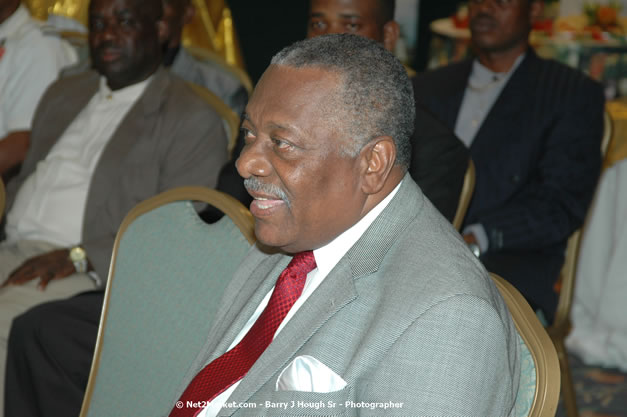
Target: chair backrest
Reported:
point(230, 118)
point(205, 54)
point(2, 198)
point(465, 196)
point(167, 275)
point(539, 389)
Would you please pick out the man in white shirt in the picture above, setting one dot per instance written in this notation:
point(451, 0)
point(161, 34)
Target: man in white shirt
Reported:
point(51, 345)
point(29, 61)
point(382, 304)
point(101, 143)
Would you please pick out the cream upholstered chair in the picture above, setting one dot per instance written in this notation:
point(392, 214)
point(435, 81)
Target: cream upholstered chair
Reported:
point(2, 198)
point(560, 328)
point(230, 118)
point(465, 196)
point(539, 389)
point(167, 275)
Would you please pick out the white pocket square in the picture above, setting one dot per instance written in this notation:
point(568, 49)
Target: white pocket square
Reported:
point(306, 373)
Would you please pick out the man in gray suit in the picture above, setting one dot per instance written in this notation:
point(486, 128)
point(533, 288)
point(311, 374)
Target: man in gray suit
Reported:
point(101, 142)
point(382, 309)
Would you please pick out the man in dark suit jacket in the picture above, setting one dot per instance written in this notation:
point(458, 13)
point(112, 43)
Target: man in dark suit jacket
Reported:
point(169, 137)
point(533, 127)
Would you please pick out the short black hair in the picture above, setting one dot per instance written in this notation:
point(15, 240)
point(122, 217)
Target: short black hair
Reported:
point(387, 8)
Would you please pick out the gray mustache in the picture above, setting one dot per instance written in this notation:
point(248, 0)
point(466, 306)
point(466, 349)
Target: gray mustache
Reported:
point(253, 184)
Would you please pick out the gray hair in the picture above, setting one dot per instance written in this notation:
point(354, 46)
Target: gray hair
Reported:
point(376, 98)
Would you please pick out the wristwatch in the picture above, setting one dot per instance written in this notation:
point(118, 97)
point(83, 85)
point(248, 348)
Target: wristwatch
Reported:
point(475, 249)
point(78, 256)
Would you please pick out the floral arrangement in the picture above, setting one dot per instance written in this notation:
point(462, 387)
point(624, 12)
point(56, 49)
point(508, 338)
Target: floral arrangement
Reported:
point(603, 18)
point(460, 18)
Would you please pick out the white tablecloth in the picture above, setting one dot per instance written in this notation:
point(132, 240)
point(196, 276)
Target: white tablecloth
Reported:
point(599, 312)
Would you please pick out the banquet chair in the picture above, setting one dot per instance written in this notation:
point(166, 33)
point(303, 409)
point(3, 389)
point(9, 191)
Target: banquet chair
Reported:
point(2, 198)
point(78, 40)
point(167, 274)
point(465, 196)
point(539, 389)
point(203, 54)
point(230, 118)
point(560, 328)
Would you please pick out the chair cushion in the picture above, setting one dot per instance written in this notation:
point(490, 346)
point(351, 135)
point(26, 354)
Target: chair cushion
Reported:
point(170, 272)
point(527, 384)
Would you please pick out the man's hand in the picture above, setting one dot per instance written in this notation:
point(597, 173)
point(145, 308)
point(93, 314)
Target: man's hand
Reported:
point(49, 266)
point(470, 238)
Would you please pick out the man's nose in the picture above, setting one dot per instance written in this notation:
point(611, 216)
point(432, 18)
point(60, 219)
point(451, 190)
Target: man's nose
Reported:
point(252, 161)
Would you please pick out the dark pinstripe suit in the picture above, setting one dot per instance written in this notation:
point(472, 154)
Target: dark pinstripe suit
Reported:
point(538, 160)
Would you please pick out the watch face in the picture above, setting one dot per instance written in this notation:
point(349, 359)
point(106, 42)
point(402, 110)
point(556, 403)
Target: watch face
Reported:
point(77, 254)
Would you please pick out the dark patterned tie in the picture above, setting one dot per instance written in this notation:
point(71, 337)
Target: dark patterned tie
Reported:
point(229, 368)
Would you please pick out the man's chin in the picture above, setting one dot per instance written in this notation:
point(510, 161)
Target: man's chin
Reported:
point(270, 236)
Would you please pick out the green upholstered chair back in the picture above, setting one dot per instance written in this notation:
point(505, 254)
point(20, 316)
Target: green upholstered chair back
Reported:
point(539, 387)
point(167, 276)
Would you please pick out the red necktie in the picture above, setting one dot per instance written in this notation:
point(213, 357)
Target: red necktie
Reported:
point(229, 368)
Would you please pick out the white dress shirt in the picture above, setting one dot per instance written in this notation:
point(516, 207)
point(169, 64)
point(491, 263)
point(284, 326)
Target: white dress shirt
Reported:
point(29, 61)
point(326, 258)
point(50, 204)
point(483, 89)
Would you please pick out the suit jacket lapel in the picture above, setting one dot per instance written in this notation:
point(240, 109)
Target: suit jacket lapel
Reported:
point(334, 293)
point(242, 301)
point(454, 91)
point(72, 104)
point(508, 109)
point(131, 130)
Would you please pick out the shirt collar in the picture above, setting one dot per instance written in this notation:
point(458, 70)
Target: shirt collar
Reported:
point(483, 76)
point(330, 254)
point(129, 93)
point(14, 22)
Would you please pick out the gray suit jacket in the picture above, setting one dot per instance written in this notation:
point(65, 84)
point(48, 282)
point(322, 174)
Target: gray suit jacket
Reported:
point(408, 315)
point(169, 138)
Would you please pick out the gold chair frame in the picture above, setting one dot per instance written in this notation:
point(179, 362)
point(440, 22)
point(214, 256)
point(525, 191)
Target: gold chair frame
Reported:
point(2, 198)
point(240, 216)
point(465, 196)
point(560, 328)
point(540, 346)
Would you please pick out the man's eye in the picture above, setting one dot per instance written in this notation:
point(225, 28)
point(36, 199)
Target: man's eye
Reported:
point(247, 133)
point(281, 144)
point(317, 25)
point(353, 27)
point(96, 25)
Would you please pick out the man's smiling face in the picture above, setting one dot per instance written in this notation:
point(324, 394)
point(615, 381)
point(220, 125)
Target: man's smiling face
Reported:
point(307, 190)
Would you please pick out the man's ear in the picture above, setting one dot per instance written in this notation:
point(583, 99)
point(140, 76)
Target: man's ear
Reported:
point(163, 32)
point(190, 12)
point(378, 156)
point(536, 8)
point(391, 32)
